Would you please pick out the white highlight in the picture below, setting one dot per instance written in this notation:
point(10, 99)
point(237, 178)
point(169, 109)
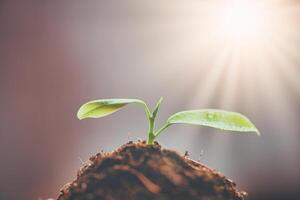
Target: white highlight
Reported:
point(242, 20)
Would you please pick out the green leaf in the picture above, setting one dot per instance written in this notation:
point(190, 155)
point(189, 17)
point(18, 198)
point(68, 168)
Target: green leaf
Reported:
point(157, 107)
point(104, 107)
point(230, 121)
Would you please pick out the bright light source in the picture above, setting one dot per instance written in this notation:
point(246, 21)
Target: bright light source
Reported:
point(241, 20)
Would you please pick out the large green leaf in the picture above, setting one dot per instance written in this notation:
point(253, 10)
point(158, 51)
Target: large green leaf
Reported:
point(220, 119)
point(104, 107)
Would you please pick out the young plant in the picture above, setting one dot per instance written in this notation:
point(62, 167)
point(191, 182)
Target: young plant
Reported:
point(225, 120)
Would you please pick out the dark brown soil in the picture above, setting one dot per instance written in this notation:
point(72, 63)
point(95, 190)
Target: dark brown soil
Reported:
point(137, 171)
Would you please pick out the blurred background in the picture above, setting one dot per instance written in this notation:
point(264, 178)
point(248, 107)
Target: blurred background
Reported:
point(230, 54)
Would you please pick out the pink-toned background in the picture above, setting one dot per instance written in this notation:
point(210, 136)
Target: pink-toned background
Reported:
point(55, 55)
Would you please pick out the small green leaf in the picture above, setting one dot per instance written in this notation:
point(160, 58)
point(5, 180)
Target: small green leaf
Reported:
point(104, 107)
point(157, 107)
point(220, 119)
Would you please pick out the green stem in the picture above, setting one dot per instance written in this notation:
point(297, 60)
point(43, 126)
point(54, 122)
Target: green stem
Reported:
point(151, 117)
point(148, 113)
point(161, 129)
point(151, 135)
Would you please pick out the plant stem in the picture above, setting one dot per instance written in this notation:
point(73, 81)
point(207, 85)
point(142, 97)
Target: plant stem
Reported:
point(161, 129)
point(151, 118)
point(151, 135)
point(148, 113)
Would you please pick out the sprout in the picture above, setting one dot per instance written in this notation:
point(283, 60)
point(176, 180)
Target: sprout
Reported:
point(220, 119)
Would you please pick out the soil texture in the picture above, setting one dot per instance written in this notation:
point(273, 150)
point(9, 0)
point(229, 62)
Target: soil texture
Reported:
point(137, 171)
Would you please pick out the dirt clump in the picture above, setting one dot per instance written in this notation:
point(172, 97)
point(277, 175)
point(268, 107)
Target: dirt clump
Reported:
point(137, 171)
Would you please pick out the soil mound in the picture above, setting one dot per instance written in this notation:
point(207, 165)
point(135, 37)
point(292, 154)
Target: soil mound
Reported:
point(137, 171)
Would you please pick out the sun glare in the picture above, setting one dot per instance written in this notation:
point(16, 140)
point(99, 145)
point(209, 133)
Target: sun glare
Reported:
point(243, 41)
point(241, 55)
point(242, 21)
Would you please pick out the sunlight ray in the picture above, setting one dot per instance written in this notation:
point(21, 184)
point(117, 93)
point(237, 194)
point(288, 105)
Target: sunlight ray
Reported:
point(276, 98)
point(287, 65)
point(208, 85)
point(231, 82)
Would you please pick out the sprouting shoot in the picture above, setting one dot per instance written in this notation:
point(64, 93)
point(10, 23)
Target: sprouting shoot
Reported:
point(220, 119)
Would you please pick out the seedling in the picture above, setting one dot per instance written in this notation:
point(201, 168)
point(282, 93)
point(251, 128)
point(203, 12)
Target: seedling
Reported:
point(220, 119)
